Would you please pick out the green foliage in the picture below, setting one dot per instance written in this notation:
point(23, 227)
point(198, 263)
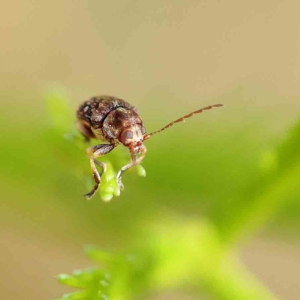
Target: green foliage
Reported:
point(172, 258)
point(178, 252)
point(277, 180)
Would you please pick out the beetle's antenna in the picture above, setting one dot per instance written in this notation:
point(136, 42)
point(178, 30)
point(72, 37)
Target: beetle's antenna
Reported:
point(147, 136)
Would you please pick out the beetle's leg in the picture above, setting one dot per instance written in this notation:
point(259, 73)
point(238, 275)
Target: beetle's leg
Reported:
point(95, 152)
point(133, 162)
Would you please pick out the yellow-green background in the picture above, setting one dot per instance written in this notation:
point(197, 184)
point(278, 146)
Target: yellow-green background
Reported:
point(167, 58)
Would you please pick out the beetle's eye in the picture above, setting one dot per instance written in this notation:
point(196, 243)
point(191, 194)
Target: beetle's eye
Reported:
point(143, 130)
point(128, 134)
point(126, 137)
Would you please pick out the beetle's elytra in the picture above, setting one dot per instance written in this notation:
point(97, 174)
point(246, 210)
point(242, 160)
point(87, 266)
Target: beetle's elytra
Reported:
point(115, 121)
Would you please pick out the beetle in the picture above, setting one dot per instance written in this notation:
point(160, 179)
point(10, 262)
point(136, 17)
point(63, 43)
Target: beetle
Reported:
point(115, 121)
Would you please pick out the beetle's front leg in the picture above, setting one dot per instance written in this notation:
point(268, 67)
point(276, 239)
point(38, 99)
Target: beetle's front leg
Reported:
point(133, 162)
point(95, 152)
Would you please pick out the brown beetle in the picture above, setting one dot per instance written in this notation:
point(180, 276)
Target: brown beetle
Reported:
point(115, 121)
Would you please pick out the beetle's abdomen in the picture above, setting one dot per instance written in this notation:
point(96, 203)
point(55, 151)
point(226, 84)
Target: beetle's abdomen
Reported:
point(95, 110)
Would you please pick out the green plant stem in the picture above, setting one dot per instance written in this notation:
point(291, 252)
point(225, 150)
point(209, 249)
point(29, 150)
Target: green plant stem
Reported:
point(263, 207)
point(233, 281)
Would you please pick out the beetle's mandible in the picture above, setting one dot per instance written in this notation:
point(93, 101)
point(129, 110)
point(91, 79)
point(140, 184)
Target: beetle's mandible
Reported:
point(115, 121)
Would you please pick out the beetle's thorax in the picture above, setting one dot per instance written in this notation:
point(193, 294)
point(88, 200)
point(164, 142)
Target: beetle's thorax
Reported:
point(124, 126)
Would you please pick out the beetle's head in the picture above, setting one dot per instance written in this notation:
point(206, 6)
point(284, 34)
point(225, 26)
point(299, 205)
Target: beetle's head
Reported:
point(132, 137)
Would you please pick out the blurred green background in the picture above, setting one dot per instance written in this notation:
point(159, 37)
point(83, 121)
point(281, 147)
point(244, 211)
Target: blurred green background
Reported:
point(217, 216)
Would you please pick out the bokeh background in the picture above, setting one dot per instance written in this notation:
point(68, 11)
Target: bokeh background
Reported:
point(232, 172)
